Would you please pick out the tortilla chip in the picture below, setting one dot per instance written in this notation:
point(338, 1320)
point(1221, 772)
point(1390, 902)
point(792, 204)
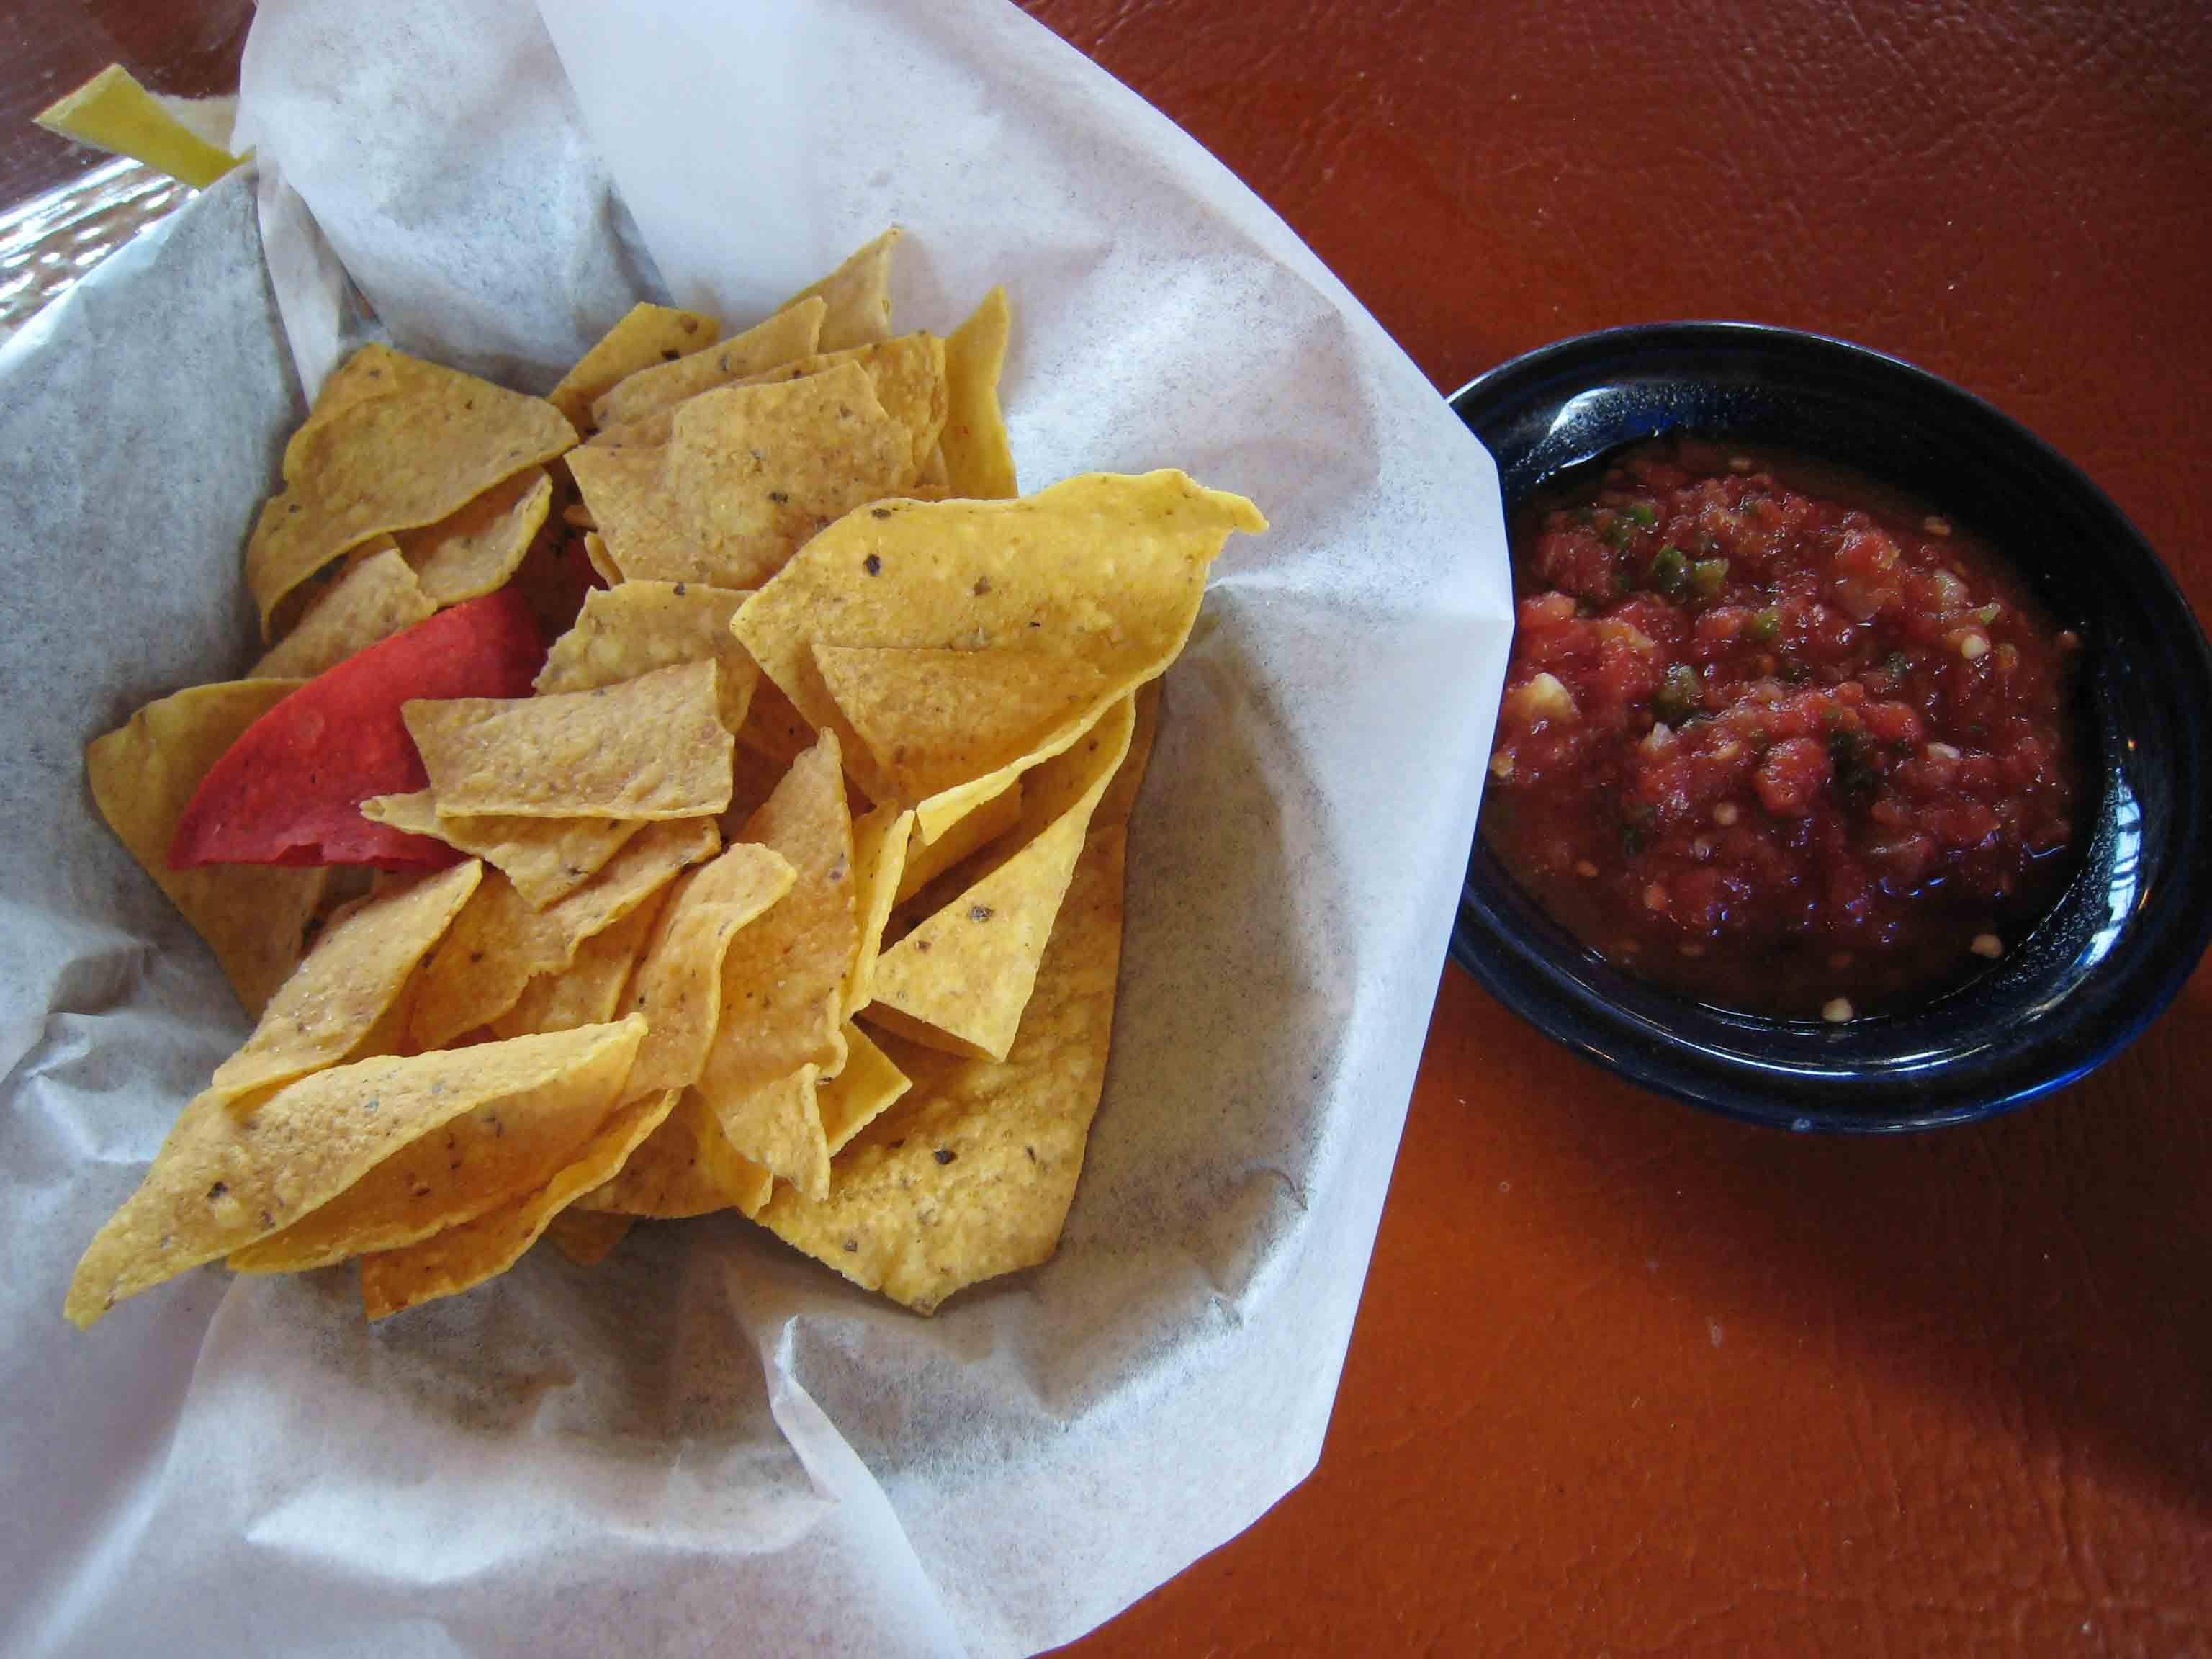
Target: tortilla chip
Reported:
point(636, 627)
point(459, 1257)
point(497, 942)
point(642, 869)
point(374, 598)
point(685, 1168)
point(860, 1093)
point(978, 461)
point(783, 980)
point(356, 970)
point(746, 475)
point(961, 980)
point(587, 1238)
point(935, 484)
point(679, 980)
point(933, 720)
point(879, 844)
point(970, 1174)
point(142, 775)
point(648, 335)
point(1106, 568)
point(394, 443)
point(792, 333)
point(230, 1174)
point(501, 941)
point(602, 563)
point(468, 1165)
point(1119, 803)
point(479, 548)
point(858, 296)
point(925, 860)
point(653, 747)
point(907, 376)
point(589, 990)
point(546, 859)
point(773, 729)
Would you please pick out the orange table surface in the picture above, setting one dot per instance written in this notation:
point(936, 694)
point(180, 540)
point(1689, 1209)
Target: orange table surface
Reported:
point(1629, 1379)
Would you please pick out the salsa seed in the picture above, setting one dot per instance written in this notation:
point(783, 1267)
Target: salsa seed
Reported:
point(1501, 763)
point(1974, 645)
point(1935, 526)
point(1585, 869)
point(1987, 944)
point(1837, 1011)
point(1655, 897)
point(1726, 813)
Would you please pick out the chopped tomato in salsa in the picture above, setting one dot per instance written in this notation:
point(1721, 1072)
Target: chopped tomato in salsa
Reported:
point(1773, 751)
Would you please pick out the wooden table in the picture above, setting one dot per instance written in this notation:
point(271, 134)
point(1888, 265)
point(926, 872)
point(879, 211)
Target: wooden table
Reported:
point(1630, 1379)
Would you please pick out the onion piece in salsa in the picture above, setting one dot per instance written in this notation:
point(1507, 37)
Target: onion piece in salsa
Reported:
point(1776, 739)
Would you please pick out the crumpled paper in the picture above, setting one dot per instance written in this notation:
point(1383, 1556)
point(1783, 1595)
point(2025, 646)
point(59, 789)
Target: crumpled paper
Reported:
point(707, 1444)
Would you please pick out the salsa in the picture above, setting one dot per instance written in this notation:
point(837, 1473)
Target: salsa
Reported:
point(1777, 739)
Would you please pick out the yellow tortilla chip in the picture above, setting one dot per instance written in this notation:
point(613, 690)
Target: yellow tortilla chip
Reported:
point(111, 112)
point(1106, 568)
point(144, 774)
point(587, 1238)
point(783, 980)
point(1119, 801)
point(231, 1174)
point(495, 944)
point(647, 335)
point(679, 980)
point(773, 729)
point(795, 332)
point(361, 962)
point(978, 462)
point(860, 1093)
point(469, 1165)
point(970, 1174)
point(685, 1168)
point(372, 598)
point(589, 990)
point(746, 475)
point(596, 554)
point(653, 747)
point(636, 627)
point(879, 842)
point(452, 1260)
point(907, 376)
point(398, 442)
point(500, 941)
point(925, 860)
point(858, 296)
point(468, 554)
point(934, 719)
point(546, 859)
point(961, 980)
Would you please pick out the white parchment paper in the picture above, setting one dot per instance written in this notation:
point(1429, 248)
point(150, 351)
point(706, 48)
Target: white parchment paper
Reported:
point(706, 1443)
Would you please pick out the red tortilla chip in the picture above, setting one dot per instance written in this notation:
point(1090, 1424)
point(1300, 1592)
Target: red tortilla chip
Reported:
point(289, 790)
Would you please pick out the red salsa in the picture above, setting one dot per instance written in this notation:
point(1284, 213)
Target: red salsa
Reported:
point(1776, 739)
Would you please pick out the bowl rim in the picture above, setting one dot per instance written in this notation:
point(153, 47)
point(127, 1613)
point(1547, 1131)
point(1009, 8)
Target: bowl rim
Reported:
point(1533, 983)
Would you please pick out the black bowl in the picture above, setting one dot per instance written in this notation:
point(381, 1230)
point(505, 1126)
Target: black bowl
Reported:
point(2113, 950)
